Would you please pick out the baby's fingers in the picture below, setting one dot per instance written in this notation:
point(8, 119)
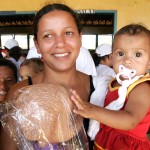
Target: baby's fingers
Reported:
point(79, 112)
point(77, 102)
point(76, 96)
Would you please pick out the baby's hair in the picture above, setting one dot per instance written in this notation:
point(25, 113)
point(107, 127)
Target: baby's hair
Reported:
point(35, 63)
point(133, 29)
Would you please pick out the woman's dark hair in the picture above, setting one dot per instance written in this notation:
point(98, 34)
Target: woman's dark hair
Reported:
point(10, 65)
point(51, 7)
point(15, 52)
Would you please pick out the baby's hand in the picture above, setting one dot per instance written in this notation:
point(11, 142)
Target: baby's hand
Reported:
point(83, 107)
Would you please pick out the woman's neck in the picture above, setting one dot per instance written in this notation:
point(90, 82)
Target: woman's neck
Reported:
point(68, 77)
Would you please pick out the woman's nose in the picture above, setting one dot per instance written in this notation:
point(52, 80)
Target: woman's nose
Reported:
point(3, 83)
point(60, 40)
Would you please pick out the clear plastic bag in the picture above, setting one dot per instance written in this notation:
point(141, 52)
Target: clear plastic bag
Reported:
point(40, 117)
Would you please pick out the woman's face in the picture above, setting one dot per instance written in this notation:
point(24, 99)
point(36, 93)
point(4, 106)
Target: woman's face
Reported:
point(58, 40)
point(7, 80)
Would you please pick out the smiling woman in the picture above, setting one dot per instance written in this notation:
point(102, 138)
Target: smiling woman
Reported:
point(8, 77)
point(57, 37)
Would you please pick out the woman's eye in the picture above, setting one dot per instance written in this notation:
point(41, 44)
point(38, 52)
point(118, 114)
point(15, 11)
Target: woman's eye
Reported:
point(120, 53)
point(138, 54)
point(9, 81)
point(69, 33)
point(48, 36)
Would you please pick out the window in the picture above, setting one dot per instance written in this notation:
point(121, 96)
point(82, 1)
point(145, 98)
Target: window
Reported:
point(107, 39)
point(31, 42)
point(22, 40)
point(92, 41)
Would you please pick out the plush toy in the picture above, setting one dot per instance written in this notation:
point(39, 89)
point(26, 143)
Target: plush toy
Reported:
point(40, 118)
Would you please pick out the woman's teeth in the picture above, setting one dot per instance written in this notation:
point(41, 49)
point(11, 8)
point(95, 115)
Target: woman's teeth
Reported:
point(61, 55)
point(3, 93)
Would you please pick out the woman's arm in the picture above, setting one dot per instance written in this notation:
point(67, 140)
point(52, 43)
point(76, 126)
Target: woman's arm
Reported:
point(6, 143)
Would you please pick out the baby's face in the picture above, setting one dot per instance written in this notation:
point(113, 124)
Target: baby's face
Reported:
point(25, 72)
point(133, 52)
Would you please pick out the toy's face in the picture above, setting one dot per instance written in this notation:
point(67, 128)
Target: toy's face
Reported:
point(44, 114)
point(25, 72)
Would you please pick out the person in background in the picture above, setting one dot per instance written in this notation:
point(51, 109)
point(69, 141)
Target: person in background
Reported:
point(22, 58)
point(14, 54)
point(125, 119)
point(10, 43)
point(30, 67)
point(32, 53)
point(8, 77)
point(103, 60)
point(1, 56)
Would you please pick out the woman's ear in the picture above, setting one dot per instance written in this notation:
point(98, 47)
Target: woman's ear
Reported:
point(81, 38)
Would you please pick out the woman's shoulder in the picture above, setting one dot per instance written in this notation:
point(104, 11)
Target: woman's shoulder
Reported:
point(83, 76)
point(15, 88)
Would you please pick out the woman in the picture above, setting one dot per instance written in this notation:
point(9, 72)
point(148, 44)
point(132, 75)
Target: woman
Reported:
point(8, 77)
point(57, 37)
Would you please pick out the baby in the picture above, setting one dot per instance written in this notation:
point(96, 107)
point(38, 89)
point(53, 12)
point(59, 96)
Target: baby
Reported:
point(30, 67)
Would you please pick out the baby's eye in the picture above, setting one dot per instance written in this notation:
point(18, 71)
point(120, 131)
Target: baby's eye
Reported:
point(138, 54)
point(120, 53)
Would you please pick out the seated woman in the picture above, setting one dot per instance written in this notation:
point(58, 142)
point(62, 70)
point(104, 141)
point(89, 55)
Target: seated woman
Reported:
point(40, 117)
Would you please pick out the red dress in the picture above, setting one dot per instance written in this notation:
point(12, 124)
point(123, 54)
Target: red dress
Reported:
point(113, 139)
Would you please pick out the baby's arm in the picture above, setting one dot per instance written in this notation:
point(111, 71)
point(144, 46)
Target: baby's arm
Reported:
point(135, 110)
point(83, 107)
